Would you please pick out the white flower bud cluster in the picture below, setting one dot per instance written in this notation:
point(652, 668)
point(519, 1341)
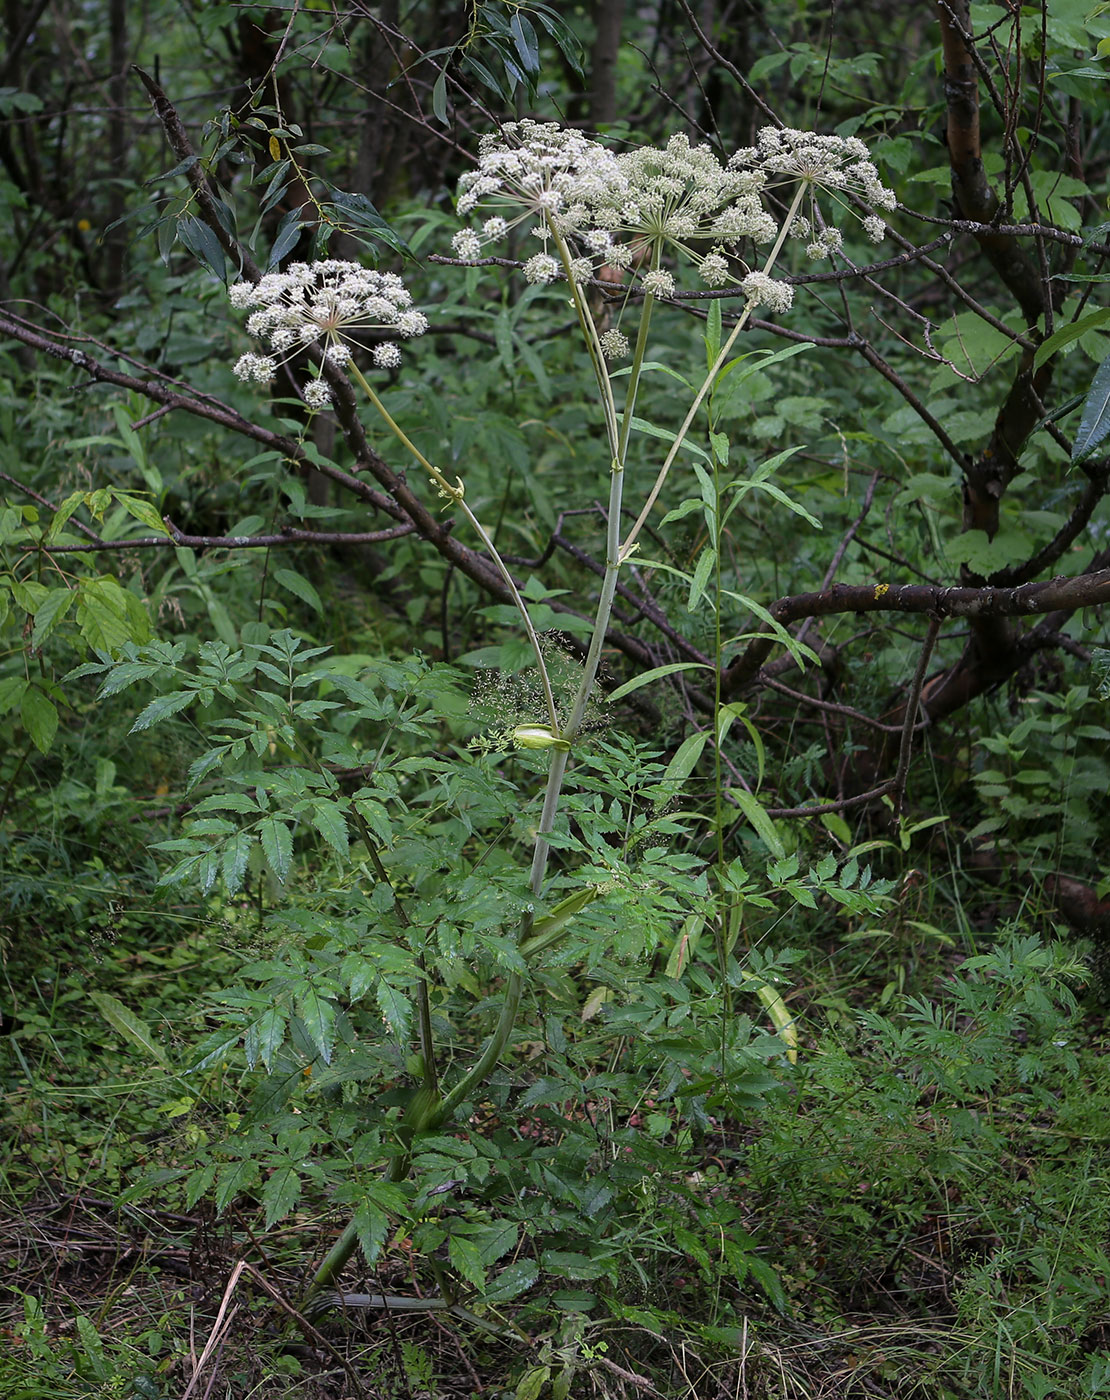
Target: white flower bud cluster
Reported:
point(324, 304)
point(762, 290)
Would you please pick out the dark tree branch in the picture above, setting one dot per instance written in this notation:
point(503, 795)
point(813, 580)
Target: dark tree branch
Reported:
point(182, 148)
point(1028, 599)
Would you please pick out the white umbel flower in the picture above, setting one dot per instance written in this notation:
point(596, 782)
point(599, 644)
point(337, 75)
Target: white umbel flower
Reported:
point(328, 305)
point(835, 164)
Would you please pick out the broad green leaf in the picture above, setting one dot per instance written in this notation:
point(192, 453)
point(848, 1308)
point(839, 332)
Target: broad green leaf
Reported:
point(40, 718)
point(11, 692)
point(986, 556)
point(28, 594)
point(707, 561)
point(62, 515)
point(1095, 422)
point(199, 239)
point(686, 759)
point(106, 615)
point(296, 583)
point(130, 1026)
point(757, 815)
point(1070, 333)
point(654, 675)
point(712, 333)
point(439, 97)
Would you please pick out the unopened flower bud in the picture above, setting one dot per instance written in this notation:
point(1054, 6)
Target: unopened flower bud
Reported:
point(537, 736)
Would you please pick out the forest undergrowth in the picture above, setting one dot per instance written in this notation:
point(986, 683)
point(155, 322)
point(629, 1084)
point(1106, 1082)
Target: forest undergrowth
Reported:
point(554, 700)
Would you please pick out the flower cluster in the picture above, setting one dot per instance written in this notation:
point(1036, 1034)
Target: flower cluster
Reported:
point(324, 304)
point(538, 173)
point(676, 198)
point(620, 211)
point(595, 209)
point(836, 164)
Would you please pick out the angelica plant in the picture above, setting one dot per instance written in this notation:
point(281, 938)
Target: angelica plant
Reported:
point(652, 217)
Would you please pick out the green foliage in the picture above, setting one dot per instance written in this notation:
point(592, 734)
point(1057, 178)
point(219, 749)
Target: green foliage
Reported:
point(733, 1100)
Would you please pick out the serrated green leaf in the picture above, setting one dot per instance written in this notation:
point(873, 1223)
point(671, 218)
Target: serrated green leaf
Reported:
point(28, 594)
point(233, 861)
point(125, 674)
point(495, 1240)
point(466, 1259)
point(512, 1281)
point(238, 1176)
point(372, 1228)
point(531, 1384)
point(130, 1026)
point(329, 821)
point(161, 707)
point(227, 802)
point(317, 1013)
point(396, 1009)
point(277, 846)
point(105, 615)
point(271, 1034)
point(143, 511)
point(281, 1193)
point(61, 516)
point(567, 1264)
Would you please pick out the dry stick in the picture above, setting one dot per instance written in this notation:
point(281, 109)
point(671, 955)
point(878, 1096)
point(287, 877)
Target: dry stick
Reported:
point(841, 549)
point(896, 784)
point(832, 708)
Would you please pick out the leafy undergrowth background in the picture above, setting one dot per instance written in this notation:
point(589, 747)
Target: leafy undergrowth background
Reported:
point(796, 1106)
